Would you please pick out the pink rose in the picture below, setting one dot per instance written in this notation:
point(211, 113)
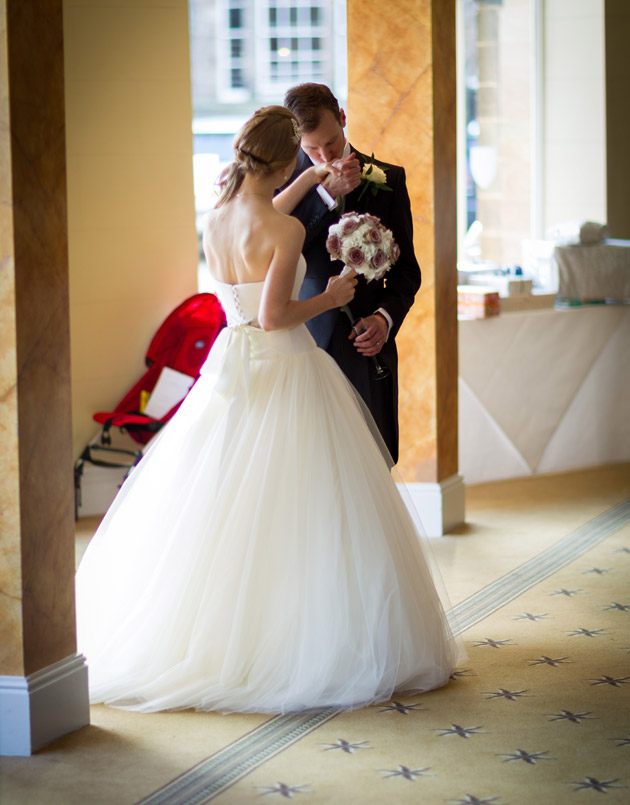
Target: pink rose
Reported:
point(333, 245)
point(348, 225)
point(372, 219)
point(395, 252)
point(379, 259)
point(355, 257)
point(374, 235)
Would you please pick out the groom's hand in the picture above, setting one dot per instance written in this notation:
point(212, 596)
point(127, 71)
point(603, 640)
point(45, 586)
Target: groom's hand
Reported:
point(369, 334)
point(346, 177)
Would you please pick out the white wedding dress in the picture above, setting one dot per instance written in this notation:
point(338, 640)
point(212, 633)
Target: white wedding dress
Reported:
point(260, 557)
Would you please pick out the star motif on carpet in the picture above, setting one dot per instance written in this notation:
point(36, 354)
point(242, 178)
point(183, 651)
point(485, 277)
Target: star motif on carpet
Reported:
point(615, 682)
point(527, 616)
point(601, 571)
point(528, 757)
point(487, 641)
point(622, 741)
point(463, 672)
point(463, 732)
point(403, 709)
point(591, 783)
point(620, 607)
point(502, 693)
point(283, 789)
point(554, 662)
point(567, 715)
point(470, 799)
point(586, 632)
point(345, 746)
point(407, 773)
point(568, 593)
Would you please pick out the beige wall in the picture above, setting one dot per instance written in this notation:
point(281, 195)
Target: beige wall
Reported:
point(574, 126)
point(132, 241)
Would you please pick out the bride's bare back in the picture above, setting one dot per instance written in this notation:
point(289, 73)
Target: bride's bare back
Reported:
point(242, 237)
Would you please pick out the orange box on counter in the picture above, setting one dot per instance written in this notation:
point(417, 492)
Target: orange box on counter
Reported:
point(477, 301)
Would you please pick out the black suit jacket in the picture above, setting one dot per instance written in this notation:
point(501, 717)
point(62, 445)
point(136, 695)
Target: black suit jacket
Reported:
point(394, 293)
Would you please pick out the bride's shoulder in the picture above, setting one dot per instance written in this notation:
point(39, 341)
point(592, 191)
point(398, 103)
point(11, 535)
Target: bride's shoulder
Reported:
point(288, 226)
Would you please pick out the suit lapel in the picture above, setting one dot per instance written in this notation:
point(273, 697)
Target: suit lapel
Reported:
point(352, 199)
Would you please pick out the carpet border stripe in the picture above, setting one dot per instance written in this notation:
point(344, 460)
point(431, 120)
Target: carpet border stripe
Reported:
point(212, 776)
point(508, 587)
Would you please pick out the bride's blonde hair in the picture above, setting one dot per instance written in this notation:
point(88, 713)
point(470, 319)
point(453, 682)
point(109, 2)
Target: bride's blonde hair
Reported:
point(266, 143)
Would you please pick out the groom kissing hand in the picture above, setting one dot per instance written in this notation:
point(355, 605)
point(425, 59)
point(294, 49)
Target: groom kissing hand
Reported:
point(327, 182)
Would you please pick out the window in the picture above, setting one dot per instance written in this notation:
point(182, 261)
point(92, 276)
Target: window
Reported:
point(233, 49)
point(237, 79)
point(244, 55)
point(496, 64)
point(295, 32)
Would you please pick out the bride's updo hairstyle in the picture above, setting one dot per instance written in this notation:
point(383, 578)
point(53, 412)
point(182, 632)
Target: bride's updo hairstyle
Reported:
point(266, 143)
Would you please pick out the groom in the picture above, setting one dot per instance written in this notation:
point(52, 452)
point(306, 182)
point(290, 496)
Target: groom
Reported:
point(318, 199)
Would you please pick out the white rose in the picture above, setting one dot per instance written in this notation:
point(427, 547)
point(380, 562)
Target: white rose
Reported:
point(376, 175)
point(362, 232)
point(355, 239)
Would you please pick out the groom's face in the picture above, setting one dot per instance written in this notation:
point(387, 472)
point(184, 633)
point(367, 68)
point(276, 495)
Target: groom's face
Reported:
point(327, 141)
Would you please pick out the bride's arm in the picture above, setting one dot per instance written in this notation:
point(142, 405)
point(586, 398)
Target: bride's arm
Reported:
point(288, 199)
point(277, 310)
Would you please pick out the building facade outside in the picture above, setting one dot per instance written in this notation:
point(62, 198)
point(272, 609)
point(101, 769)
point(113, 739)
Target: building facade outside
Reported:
point(245, 54)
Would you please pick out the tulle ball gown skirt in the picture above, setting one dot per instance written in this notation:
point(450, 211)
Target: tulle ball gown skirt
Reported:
point(260, 558)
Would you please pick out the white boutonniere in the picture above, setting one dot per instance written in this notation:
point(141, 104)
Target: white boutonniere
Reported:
point(373, 176)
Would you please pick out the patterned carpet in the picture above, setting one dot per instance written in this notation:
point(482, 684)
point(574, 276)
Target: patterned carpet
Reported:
point(538, 713)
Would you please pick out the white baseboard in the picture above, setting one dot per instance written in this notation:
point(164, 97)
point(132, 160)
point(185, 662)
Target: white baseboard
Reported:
point(41, 707)
point(440, 506)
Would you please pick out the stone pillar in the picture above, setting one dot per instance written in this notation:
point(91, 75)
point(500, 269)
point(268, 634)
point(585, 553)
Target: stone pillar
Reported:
point(43, 682)
point(401, 105)
point(617, 31)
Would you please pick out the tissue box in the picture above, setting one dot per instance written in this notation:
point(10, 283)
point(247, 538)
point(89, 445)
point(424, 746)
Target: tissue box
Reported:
point(477, 301)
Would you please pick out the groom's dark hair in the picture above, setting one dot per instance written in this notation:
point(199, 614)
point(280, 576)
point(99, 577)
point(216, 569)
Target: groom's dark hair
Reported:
point(308, 101)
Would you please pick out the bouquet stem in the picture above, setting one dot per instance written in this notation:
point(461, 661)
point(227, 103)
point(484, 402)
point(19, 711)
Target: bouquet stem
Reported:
point(381, 371)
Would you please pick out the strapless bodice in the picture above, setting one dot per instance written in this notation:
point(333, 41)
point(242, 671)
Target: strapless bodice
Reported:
point(241, 302)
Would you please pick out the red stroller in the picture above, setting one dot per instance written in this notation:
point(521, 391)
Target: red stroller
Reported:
point(181, 344)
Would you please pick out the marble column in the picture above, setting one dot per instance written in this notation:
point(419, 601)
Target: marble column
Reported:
point(43, 682)
point(401, 106)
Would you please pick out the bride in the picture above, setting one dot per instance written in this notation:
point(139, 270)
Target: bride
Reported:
point(260, 557)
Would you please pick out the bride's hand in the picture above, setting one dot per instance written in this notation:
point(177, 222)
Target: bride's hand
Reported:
point(324, 169)
point(341, 288)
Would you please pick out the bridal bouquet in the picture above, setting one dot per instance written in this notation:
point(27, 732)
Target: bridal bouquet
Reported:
point(362, 243)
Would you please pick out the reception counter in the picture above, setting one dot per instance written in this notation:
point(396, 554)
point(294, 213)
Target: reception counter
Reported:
point(543, 391)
